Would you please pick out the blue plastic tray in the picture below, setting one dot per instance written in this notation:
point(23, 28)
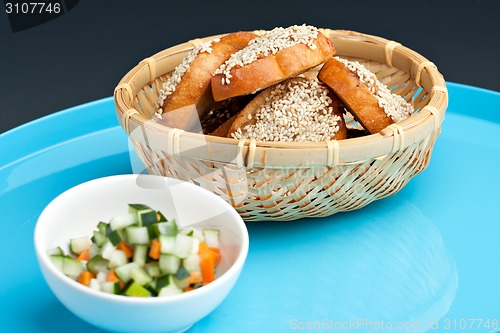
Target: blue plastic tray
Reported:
point(425, 258)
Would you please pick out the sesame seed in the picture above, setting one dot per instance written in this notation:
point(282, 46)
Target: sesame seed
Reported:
point(271, 42)
point(395, 106)
point(293, 112)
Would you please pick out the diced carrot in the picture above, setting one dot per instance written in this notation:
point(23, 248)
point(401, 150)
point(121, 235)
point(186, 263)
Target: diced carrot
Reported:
point(207, 269)
point(188, 288)
point(154, 251)
point(84, 255)
point(85, 277)
point(195, 277)
point(112, 277)
point(216, 253)
point(215, 249)
point(207, 263)
point(129, 251)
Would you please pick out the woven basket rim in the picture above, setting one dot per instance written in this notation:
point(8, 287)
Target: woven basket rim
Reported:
point(415, 128)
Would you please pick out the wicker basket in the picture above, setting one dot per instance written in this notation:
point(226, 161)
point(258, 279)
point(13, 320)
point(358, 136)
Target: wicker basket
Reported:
point(285, 181)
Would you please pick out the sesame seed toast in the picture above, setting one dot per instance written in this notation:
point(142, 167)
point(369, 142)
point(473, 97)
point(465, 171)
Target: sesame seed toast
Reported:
point(274, 57)
point(370, 102)
point(191, 97)
point(311, 112)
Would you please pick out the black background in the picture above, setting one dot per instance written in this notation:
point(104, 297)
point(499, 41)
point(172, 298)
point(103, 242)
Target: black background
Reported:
point(80, 56)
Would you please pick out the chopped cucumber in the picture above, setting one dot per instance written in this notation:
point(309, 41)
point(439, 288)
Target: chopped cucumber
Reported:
point(56, 251)
point(181, 278)
point(167, 244)
point(58, 261)
point(111, 287)
point(98, 264)
point(211, 237)
point(182, 273)
point(169, 264)
point(135, 208)
point(123, 221)
point(192, 263)
point(99, 238)
point(183, 245)
point(116, 237)
point(147, 217)
point(107, 249)
point(153, 269)
point(140, 276)
point(102, 227)
point(163, 281)
point(78, 245)
point(117, 258)
point(195, 246)
point(181, 283)
point(94, 250)
point(124, 272)
point(102, 276)
point(108, 229)
point(95, 284)
point(137, 235)
point(136, 290)
point(151, 286)
point(72, 267)
point(140, 254)
point(138, 273)
point(198, 234)
point(153, 231)
point(168, 228)
point(170, 289)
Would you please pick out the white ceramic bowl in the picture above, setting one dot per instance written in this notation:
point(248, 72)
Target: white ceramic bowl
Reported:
point(77, 211)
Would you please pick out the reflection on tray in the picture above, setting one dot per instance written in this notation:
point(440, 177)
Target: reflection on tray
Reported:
point(368, 270)
point(394, 267)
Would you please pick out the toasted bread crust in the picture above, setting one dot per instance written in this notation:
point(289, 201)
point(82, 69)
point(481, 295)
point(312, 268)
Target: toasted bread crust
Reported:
point(355, 95)
point(272, 69)
point(338, 110)
point(192, 97)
